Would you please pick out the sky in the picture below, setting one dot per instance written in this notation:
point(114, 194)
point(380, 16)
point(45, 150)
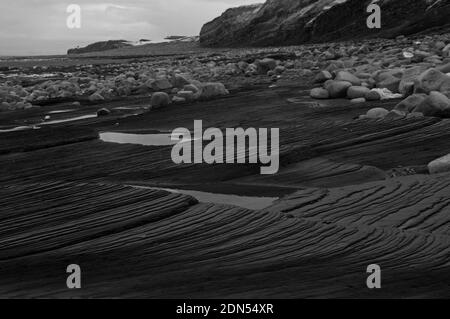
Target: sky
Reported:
point(39, 27)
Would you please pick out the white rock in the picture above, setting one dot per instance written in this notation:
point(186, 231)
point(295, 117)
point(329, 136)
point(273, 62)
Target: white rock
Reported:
point(440, 165)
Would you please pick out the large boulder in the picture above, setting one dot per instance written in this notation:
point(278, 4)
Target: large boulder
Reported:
point(377, 113)
point(322, 77)
point(96, 97)
point(409, 78)
point(431, 80)
point(440, 165)
point(180, 80)
point(103, 112)
point(391, 83)
point(373, 96)
point(411, 102)
point(337, 89)
point(265, 65)
point(160, 100)
point(355, 92)
point(161, 84)
point(211, 90)
point(435, 104)
point(348, 77)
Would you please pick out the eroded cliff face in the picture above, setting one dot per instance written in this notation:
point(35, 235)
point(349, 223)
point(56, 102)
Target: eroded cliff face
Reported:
point(221, 29)
point(285, 22)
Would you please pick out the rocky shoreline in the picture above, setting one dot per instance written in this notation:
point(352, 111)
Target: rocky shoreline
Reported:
point(366, 179)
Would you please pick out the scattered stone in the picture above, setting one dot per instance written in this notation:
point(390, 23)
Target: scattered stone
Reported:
point(377, 113)
point(265, 65)
point(4, 106)
point(430, 80)
point(210, 90)
point(320, 93)
point(373, 96)
point(434, 104)
point(187, 95)
point(161, 85)
point(395, 115)
point(355, 92)
point(279, 69)
point(337, 89)
point(322, 77)
point(160, 100)
point(411, 102)
point(414, 115)
point(348, 77)
point(391, 83)
point(179, 80)
point(178, 99)
point(409, 77)
point(96, 97)
point(103, 112)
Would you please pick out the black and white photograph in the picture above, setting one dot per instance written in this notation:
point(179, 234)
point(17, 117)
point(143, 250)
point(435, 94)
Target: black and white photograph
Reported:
point(224, 155)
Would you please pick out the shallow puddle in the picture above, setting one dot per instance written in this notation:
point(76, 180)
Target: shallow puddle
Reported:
point(18, 128)
point(72, 119)
point(160, 139)
point(254, 203)
point(61, 111)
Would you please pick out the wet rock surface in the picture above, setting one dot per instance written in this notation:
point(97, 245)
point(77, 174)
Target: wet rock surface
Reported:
point(363, 177)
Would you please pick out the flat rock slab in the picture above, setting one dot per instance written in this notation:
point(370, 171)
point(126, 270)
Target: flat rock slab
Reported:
point(64, 200)
point(314, 244)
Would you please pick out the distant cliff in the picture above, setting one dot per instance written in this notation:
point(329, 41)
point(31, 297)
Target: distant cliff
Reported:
point(101, 46)
point(220, 31)
point(286, 22)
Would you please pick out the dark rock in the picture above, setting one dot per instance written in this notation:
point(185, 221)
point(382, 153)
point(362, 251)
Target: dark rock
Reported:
point(435, 104)
point(355, 92)
point(265, 65)
point(160, 99)
point(161, 85)
point(411, 102)
point(431, 80)
point(373, 96)
point(377, 113)
point(348, 77)
point(322, 76)
point(395, 115)
point(337, 89)
point(284, 22)
point(391, 83)
point(103, 112)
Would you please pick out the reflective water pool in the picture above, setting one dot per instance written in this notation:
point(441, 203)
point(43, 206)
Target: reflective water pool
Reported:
point(254, 203)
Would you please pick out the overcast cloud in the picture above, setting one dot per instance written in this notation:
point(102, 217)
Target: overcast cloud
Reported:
point(35, 27)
